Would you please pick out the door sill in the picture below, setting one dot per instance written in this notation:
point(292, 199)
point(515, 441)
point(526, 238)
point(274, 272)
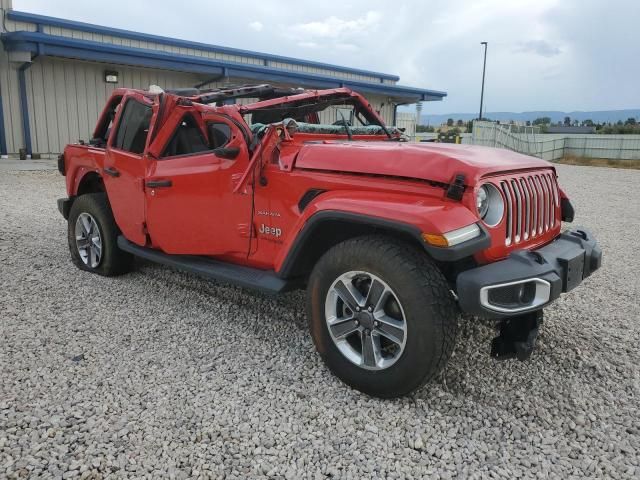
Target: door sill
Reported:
point(265, 281)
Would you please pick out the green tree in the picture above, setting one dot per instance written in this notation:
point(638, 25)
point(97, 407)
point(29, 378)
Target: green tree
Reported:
point(630, 121)
point(449, 122)
point(459, 123)
point(620, 129)
point(567, 121)
point(542, 121)
point(588, 123)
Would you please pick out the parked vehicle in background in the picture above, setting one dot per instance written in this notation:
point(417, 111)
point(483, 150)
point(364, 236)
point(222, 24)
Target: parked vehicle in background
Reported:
point(309, 189)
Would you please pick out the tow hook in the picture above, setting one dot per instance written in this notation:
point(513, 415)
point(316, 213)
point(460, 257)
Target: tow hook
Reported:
point(517, 337)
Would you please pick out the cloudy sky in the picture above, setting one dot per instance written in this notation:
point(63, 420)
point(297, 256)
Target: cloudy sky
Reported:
point(543, 54)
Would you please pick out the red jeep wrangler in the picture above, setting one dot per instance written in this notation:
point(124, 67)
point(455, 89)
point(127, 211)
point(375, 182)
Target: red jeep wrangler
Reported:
point(310, 189)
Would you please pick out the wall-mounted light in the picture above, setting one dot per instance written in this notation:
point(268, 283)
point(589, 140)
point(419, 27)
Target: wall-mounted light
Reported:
point(110, 76)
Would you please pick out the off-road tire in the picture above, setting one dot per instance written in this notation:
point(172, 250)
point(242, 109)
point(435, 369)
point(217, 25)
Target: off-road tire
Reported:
point(114, 261)
point(431, 314)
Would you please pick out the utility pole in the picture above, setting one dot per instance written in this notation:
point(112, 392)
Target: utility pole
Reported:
point(484, 68)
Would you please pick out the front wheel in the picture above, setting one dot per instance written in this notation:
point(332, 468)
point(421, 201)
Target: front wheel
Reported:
point(381, 315)
point(92, 236)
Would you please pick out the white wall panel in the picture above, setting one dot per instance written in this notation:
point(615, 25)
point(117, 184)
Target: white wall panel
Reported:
point(66, 97)
point(10, 103)
point(407, 120)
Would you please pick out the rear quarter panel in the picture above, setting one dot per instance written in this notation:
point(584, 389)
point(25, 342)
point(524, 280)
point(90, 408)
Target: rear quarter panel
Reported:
point(80, 160)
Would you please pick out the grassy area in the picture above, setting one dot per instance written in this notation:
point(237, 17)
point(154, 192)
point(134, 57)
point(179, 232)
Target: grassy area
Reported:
point(600, 162)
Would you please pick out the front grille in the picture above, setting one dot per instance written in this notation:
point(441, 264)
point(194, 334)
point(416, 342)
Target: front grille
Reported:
point(531, 202)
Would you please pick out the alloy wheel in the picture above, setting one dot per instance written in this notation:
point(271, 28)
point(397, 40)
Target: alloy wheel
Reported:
point(365, 320)
point(88, 240)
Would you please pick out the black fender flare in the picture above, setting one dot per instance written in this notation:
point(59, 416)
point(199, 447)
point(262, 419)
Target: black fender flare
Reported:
point(406, 230)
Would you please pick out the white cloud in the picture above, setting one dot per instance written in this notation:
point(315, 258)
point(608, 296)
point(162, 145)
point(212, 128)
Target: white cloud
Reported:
point(539, 47)
point(347, 47)
point(256, 25)
point(543, 54)
point(308, 44)
point(337, 28)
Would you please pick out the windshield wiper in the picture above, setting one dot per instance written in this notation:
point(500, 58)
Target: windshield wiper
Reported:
point(346, 126)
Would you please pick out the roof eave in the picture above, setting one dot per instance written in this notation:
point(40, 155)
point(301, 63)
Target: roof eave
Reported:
point(27, 17)
point(43, 44)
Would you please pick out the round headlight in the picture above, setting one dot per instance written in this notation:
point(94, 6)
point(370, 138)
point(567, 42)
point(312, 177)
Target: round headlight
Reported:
point(489, 204)
point(482, 201)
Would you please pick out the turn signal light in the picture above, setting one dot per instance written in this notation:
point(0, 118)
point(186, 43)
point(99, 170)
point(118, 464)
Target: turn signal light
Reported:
point(454, 237)
point(435, 240)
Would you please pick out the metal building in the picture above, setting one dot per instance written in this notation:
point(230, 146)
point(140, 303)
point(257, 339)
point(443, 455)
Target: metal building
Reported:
point(56, 74)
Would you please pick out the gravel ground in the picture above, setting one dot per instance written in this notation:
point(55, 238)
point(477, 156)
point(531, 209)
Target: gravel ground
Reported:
point(159, 373)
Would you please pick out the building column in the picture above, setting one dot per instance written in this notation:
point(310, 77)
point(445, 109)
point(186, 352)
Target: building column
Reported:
point(24, 105)
point(3, 137)
point(4, 5)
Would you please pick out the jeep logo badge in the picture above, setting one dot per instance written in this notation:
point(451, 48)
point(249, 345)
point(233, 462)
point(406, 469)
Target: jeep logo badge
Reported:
point(276, 232)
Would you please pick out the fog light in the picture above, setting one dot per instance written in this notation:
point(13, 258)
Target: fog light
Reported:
point(513, 295)
point(516, 296)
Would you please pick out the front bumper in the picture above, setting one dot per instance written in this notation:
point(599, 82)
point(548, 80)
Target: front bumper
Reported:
point(528, 280)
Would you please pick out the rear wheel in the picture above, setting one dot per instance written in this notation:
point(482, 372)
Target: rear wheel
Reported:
point(92, 236)
point(381, 315)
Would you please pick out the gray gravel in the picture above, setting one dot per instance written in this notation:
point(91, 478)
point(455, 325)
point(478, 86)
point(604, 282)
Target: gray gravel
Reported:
point(159, 373)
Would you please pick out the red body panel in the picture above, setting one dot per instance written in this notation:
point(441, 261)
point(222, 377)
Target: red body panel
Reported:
point(199, 214)
point(125, 193)
point(208, 208)
point(81, 160)
point(439, 162)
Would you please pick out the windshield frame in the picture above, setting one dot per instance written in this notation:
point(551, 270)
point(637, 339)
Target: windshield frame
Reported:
point(313, 101)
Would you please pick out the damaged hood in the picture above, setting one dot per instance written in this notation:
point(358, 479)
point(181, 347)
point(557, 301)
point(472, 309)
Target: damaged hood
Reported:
point(438, 162)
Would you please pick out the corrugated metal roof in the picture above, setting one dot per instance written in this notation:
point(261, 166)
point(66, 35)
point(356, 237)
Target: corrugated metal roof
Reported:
point(92, 28)
point(39, 43)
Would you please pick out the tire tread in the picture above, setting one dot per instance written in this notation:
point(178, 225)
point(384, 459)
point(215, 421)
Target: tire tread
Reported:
point(115, 261)
point(415, 264)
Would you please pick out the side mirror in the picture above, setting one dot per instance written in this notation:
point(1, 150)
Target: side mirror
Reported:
point(228, 153)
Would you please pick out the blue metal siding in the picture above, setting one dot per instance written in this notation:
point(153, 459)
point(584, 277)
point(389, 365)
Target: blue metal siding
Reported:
point(65, 97)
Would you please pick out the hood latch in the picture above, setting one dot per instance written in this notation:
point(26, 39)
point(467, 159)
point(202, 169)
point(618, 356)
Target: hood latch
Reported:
point(456, 188)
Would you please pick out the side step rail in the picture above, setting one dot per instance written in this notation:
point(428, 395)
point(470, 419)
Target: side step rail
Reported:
point(265, 281)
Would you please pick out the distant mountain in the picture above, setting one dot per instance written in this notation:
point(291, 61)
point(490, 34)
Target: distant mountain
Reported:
point(597, 116)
